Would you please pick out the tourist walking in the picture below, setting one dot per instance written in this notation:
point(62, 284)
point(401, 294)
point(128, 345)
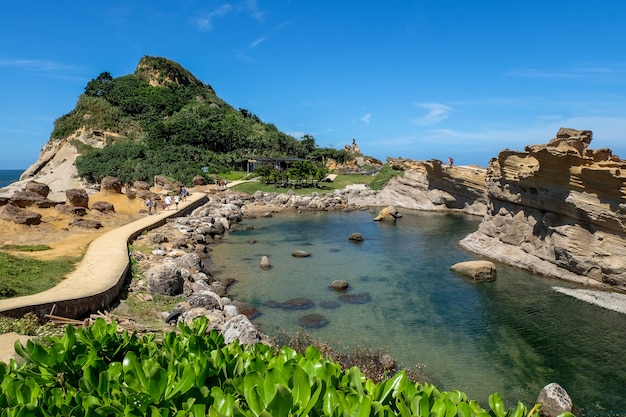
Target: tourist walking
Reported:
point(184, 194)
point(168, 201)
point(176, 200)
point(149, 206)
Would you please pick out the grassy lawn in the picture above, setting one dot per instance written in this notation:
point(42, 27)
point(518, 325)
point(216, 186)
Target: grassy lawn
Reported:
point(322, 188)
point(25, 276)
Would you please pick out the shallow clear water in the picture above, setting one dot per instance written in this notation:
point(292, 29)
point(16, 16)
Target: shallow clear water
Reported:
point(512, 336)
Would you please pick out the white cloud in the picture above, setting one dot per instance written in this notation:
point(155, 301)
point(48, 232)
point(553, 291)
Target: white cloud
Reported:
point(34, 64)
point(204, 23)
point(366, 119)
point(436, 112)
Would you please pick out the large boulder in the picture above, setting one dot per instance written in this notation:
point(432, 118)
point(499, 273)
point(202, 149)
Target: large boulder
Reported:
point(165, 279)
point(37, 187)
point(141, 185)
point(476, 270)
point(77, 197)
point(554, 400)
point(27, 198)
point(19, 215)
point(199, 180)
point(103, 206)
point(111, 185)
point(85, 223)
point(240, 328)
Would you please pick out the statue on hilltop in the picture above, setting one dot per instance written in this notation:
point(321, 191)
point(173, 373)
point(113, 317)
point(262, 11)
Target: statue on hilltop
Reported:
point(353, 149)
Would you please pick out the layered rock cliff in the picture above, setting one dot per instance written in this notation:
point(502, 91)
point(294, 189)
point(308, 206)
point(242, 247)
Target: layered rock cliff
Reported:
point(431, 185)
point(557, 209)
point(55, 164)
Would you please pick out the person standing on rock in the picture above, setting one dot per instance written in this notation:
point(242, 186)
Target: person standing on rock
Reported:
point(149, 205)
point(176, 200)
point(168, 201)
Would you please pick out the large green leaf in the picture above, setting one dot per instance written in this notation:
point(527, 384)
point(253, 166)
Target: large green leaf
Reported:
point(282, 403)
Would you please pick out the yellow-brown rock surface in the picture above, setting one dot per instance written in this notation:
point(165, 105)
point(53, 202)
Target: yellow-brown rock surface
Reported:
point(558, 209)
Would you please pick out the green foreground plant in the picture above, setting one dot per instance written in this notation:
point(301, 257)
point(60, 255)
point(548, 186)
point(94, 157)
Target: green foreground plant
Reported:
point(97, 371)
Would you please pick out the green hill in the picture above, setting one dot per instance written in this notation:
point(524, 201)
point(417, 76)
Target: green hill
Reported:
point(162, 120)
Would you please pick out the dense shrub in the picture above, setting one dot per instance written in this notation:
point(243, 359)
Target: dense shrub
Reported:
point(99, 371)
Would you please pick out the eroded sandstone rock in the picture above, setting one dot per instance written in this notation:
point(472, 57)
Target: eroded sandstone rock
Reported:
point(388, 213)
point(557, 209)
point(19, 215)
point(476, 270)
point(77, 197)
point(111, 185)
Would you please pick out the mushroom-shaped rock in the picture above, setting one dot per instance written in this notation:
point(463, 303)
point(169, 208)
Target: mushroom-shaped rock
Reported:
point(85, 223)
point(77, 197)
point(388, 213)
point(199, 180)
point(37, 187)
point(300, 254)
point(141, 185)
point(27, 198)
point(554, 400)
point(103, 206)
point(476, 270)
point(355, 237)
point(339, 285)
point(111, 185)
point(265, 263)
point(19, 215)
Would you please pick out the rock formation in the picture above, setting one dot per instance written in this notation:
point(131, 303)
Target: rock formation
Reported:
point(557, 209)
point(388, 213)
point(476, 270)
point(431, 185)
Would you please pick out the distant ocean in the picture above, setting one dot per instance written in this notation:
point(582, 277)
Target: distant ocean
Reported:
point(8, 176)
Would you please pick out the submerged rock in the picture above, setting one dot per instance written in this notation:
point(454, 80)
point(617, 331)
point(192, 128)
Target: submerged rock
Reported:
point(313, 321)
point(298, 304)
point(360, 298)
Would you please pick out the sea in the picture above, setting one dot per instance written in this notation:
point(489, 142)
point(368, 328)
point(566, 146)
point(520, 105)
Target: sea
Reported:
point(512, 336)
point(9, 176)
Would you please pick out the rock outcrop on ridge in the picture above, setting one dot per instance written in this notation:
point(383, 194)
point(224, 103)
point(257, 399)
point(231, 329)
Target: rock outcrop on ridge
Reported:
point(557, 209)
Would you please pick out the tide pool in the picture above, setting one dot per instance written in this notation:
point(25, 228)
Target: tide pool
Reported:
point(512, 336)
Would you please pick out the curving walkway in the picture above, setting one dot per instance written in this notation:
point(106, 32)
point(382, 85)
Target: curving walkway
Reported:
point(98, 278)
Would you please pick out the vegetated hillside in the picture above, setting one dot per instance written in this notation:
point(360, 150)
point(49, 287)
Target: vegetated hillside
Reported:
point(162, 120)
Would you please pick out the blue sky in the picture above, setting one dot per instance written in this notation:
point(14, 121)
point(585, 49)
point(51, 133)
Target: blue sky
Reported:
point(415, 79)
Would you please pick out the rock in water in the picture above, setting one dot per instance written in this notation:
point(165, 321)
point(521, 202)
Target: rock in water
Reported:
point(388, 213)
point(554, 400)
point(265, 263)
point(355, 237)
point(476, 270)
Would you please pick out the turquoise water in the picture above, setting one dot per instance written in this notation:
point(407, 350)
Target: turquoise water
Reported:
point(8, 176)
point(512, 336)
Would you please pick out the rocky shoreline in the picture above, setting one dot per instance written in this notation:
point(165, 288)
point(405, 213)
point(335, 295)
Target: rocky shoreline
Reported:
point(178, 262)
